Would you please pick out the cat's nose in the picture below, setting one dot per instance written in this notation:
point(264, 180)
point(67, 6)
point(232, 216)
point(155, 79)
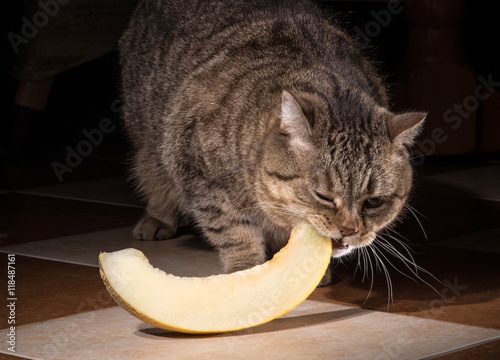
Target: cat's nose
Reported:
point(345, 231)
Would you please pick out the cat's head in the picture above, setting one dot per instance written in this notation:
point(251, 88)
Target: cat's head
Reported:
point(349, 177)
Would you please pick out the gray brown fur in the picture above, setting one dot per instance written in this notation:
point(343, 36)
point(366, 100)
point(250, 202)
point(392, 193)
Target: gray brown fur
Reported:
point(242, 113)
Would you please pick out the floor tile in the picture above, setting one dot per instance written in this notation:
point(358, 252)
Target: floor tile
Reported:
point(488, 240)
point(46, 290)
point(480, 182)
point(26, 218)
point(183, 256)
point(488, 351)
point(434, 214)
point(29, 174)
point(465, 286)
point(113, 190)
point(445, 210)
point(313, 330)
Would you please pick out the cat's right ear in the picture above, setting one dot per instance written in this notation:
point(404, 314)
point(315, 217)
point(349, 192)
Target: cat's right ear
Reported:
point(404, 128)
point(294, 123)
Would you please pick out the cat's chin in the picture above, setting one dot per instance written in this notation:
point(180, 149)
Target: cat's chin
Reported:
point(341, 248)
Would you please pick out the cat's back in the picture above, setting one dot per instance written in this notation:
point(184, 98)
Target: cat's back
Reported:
point(206, 46)
point(231, 56)
point(181, 35)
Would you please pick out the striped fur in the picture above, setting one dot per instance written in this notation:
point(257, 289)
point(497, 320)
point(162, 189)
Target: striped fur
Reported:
point(204, 85)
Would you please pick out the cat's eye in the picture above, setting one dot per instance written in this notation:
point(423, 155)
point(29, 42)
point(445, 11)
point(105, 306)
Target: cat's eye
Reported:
point(324, 198)
point(373, 203)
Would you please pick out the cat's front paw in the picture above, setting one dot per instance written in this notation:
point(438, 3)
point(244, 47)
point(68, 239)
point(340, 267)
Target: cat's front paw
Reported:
point(150, 228)
point(327, 278)
point(330, 277)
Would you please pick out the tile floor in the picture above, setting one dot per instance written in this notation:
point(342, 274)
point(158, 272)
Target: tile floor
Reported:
point(63, 311)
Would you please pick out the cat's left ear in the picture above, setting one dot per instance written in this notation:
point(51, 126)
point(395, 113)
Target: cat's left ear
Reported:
point(294, 123)
point(403, 128)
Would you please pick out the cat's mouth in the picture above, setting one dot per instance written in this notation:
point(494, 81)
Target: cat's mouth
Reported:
point(339, 244)
point(340, 248)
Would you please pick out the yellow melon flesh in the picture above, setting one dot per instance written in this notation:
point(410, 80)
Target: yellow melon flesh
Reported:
point(218, 303)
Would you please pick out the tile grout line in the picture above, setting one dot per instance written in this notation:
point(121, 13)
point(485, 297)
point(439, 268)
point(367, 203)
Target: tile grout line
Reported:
point(429, 357)
point(15, 355)
point(461, 348)
point(78, 199)
point(449, 246)
point(47, 258)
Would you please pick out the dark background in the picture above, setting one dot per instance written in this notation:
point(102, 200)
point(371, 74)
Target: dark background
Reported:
point(31, 140)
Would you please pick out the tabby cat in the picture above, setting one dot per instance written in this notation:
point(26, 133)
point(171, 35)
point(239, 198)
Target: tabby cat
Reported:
point(252, 116)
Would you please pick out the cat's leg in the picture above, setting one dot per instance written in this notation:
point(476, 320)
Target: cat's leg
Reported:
point(240, 243)
point(150, 227)
point(163, 202)
point(278, 237)
point(327, 278)
point(240, 247)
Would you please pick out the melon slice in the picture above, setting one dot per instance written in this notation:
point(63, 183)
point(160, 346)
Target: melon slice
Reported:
point(218, 303)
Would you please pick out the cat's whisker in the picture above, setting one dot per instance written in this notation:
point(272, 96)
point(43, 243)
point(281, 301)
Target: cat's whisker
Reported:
point(321, 222)
point(370, 266)
point(369, 261)
point(284, 210)
point(395, 253)
point(269, 204)
point(365, 265)
point(340, 260)
point(358, 263)
point(390, 295)
point(415, 271)
point(417, 157)
point(392, 249)
point(389, 228)
point(416, 218)
point(403, 244)
point(408, 206)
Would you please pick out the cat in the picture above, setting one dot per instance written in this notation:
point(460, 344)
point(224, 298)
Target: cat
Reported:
point(253, 116)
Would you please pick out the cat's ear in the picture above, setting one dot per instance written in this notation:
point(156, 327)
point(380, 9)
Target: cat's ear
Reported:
point(403, 128)
point(294, 123)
